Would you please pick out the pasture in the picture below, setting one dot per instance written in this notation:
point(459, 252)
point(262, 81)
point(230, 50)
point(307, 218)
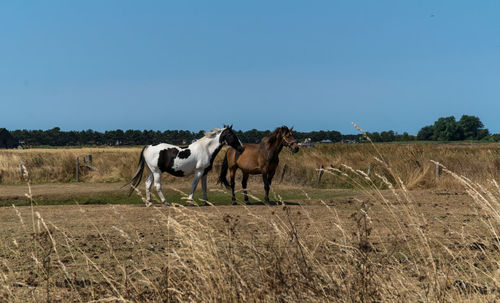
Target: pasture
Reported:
point(378, 226)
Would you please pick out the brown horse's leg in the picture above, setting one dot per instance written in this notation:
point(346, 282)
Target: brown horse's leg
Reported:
point(232, 175)
point(244, 185)
point(266, 186)
point(270, 180)
point(270, 176)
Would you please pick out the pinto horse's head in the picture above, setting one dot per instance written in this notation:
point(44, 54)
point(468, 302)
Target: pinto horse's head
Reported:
point(289, 140)
point(229, 137)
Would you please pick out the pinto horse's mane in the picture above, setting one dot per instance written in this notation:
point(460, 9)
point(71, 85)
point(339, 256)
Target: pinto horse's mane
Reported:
point(213, 132)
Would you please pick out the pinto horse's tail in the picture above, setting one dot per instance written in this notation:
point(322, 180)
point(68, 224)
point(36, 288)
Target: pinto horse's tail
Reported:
point(223, 173)
point(136, 179)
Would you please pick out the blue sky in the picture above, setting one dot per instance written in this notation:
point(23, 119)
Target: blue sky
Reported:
point(195, 65)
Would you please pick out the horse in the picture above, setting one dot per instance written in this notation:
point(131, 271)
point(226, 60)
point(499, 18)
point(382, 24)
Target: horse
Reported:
point(196, 159)
point(261, 158)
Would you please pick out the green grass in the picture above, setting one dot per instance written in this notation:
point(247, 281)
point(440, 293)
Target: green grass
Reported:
point(81, 199)
point(173, 196)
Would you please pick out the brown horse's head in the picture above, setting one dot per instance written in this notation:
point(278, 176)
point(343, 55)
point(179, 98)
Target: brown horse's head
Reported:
point(288, 139)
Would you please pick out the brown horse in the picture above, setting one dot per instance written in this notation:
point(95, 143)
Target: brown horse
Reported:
point(261, 158)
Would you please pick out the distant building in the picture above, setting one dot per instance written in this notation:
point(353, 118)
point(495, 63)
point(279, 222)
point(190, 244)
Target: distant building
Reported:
point(6, 139)
point(348, 141)
point(307, 143)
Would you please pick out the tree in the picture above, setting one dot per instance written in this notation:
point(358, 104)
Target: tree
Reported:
point(472, 128)
point(387, 136)
point(54, 137)
point(404, 137)
point(375, 137)
point(6, 139)
point(425, 134)
point(483, 134)
point(447, 129)
point(495, 138)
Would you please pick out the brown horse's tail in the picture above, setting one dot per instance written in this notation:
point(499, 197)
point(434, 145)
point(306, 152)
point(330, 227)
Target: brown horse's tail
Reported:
point(223, 173)
point(136, 179)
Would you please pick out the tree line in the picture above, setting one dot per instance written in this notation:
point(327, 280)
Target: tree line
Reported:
point(443, 129)
point(56, 137)
point(448, 129)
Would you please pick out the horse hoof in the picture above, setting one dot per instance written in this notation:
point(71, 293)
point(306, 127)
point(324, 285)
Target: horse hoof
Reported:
point(166, 203)
point(190, 203)
point(234, 203)
point(149, 204)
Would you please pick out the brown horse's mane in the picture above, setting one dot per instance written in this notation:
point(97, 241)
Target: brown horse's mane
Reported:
point(271, 138)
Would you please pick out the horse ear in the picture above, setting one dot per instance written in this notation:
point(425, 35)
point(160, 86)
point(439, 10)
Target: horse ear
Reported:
point(291, 128)
point(231, 127)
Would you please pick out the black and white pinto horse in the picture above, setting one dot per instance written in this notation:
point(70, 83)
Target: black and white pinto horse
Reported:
point(196, 159)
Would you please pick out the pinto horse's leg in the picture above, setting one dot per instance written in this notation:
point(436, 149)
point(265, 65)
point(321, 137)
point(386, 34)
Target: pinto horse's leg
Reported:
point(244, 185)
point(197, 175)
point(204, 187)
point(149, 183)
point(157, 181)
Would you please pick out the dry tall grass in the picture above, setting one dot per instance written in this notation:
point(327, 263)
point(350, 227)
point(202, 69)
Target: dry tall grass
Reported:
point(58, 165)
point(205, 255)
point(410, 162)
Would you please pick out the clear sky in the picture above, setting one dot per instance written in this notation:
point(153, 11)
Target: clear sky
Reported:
point(195, 65)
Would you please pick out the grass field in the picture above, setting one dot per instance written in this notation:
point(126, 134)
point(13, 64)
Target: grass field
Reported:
point(113, 193)
point(410, 162)
point(359, 236)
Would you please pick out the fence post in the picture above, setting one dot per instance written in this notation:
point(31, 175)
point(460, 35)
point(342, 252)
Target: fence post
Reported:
point(90, 159)
point(77, 169)
point(438, 171)
point(283, 171)
point(21, 172)
point(320, 173)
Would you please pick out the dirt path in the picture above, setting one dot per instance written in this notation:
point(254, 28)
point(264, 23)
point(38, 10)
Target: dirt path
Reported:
point(438, 207)
point(442, 211)
point(57, 190)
